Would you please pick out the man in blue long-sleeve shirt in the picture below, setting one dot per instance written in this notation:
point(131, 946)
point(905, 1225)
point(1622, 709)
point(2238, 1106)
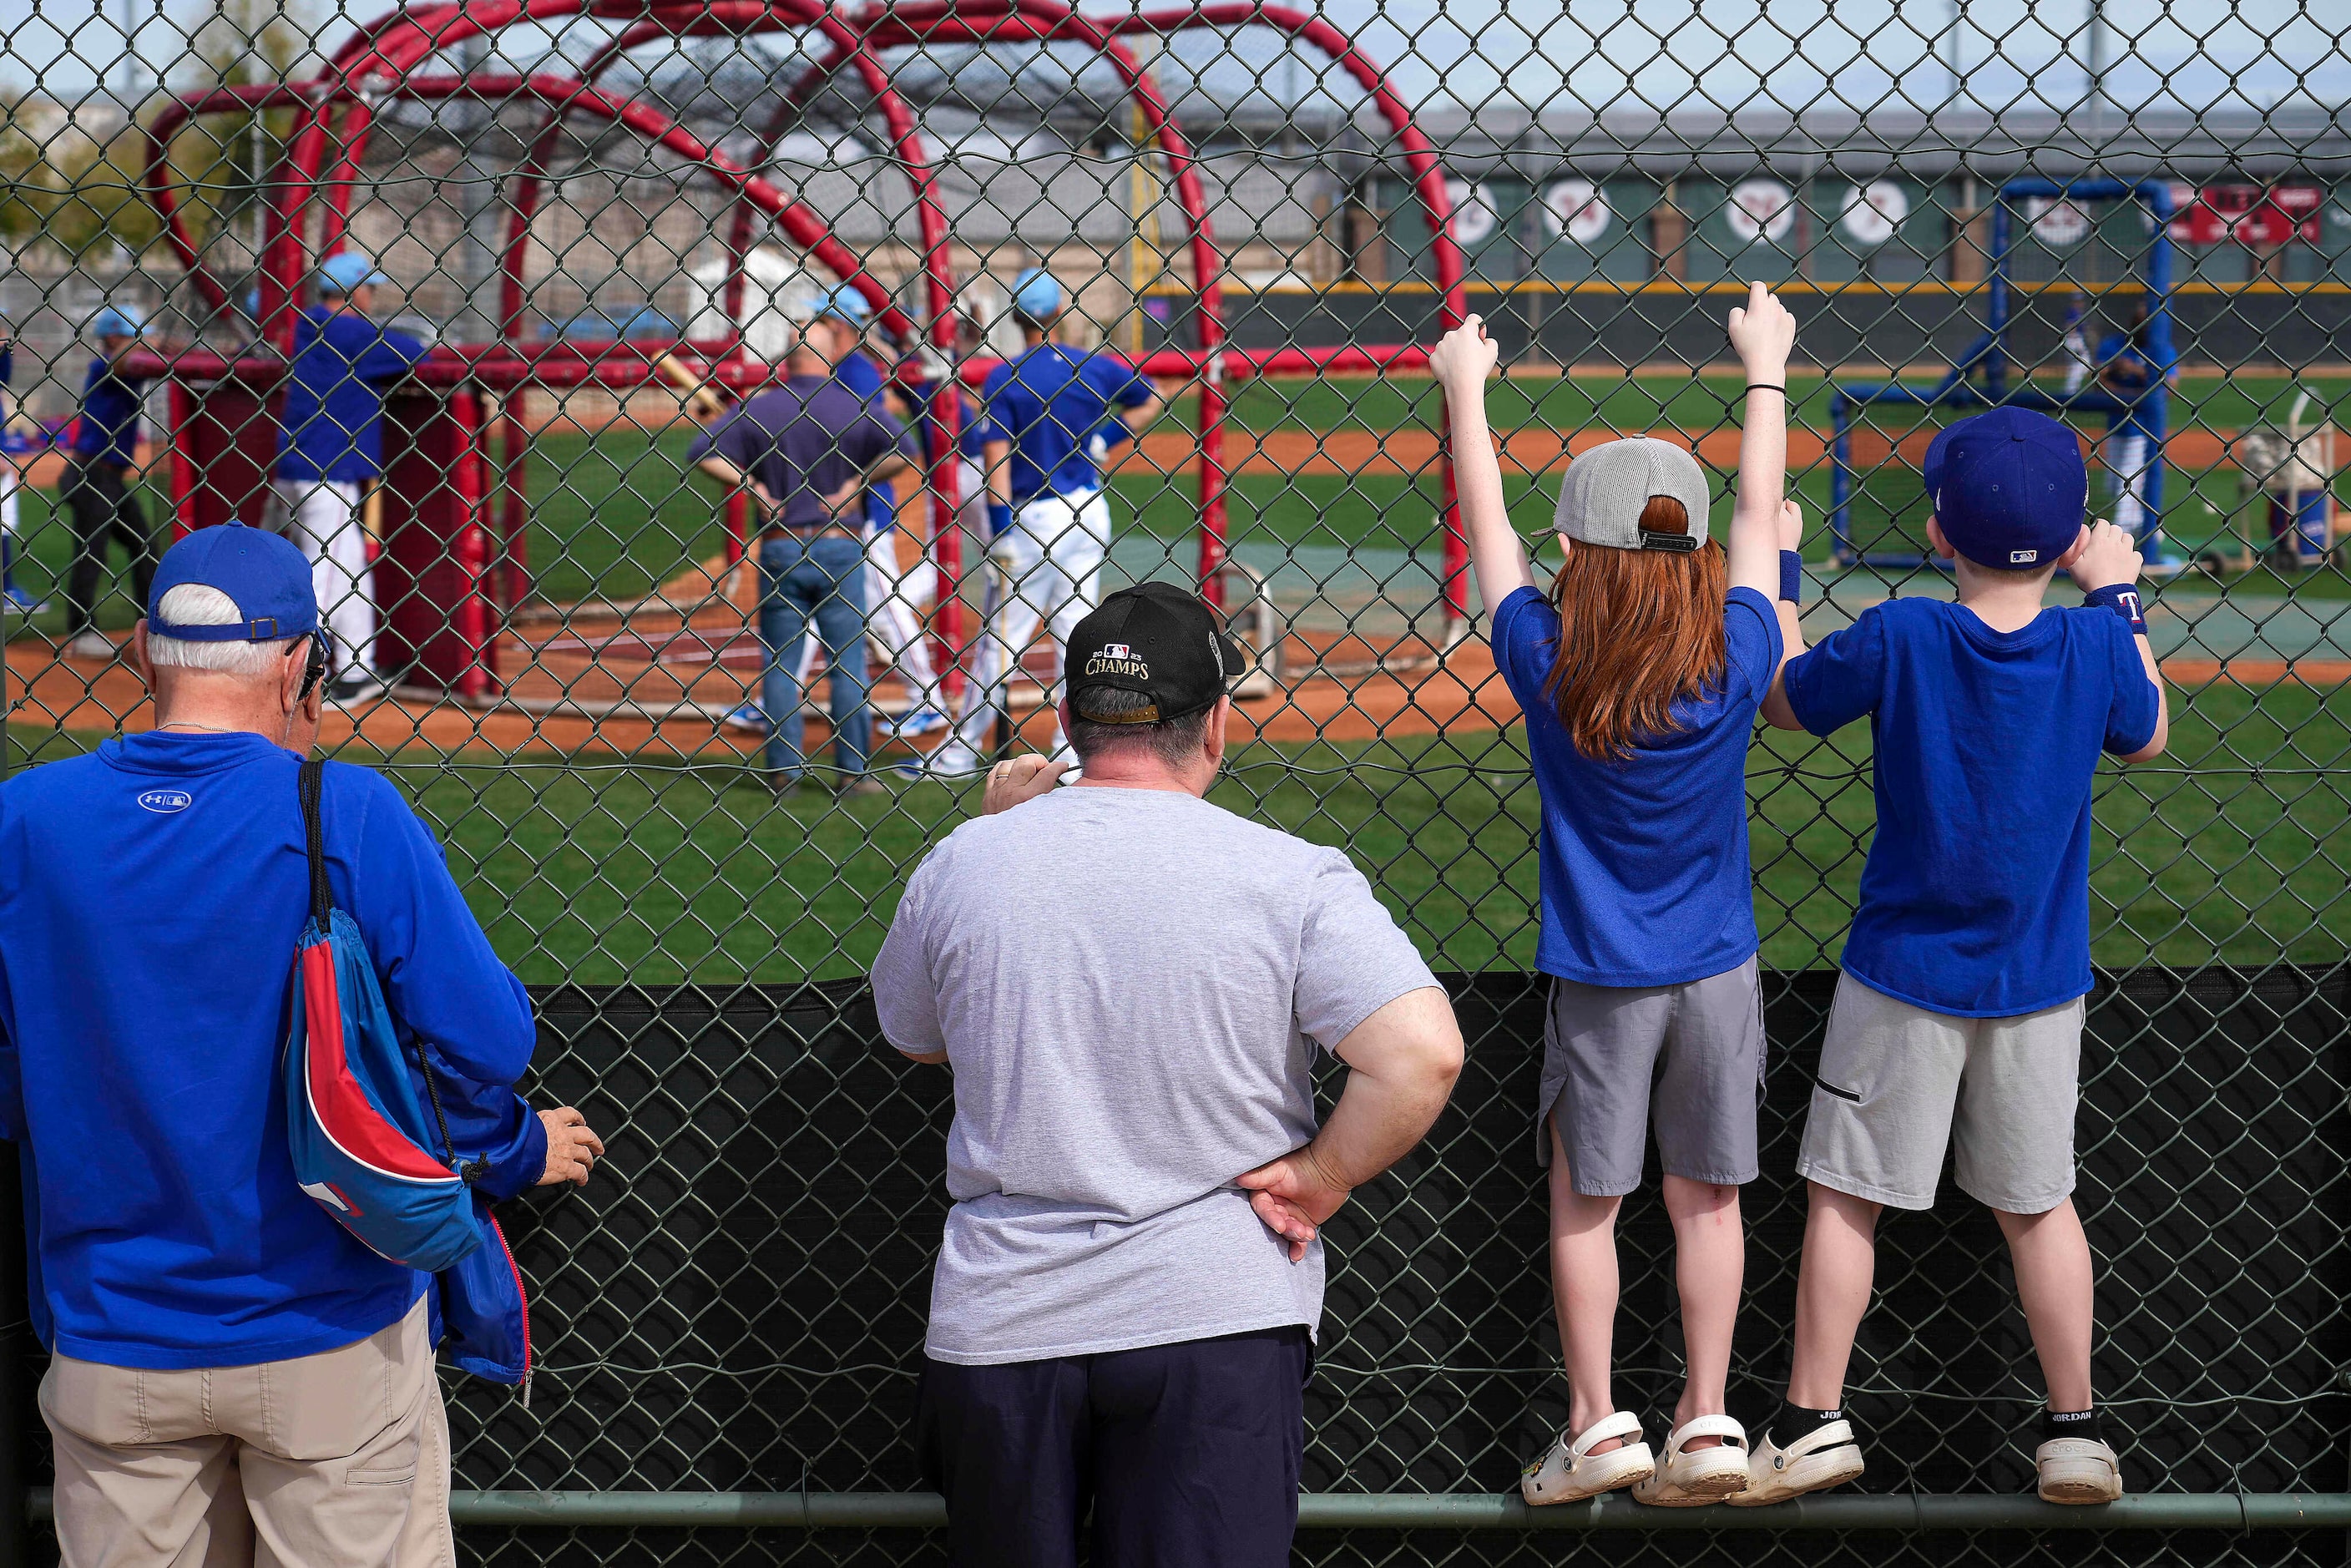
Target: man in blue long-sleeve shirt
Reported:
point(226, 1358)
point(331, 446)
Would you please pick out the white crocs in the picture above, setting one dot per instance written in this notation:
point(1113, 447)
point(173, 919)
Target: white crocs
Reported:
point(1825, 1456)
point(2078, 1470)
point(1570, 1470)
point(1692, 1478)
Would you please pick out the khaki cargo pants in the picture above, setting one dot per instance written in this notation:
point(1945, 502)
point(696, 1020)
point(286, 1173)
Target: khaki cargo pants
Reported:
point(334, 1460)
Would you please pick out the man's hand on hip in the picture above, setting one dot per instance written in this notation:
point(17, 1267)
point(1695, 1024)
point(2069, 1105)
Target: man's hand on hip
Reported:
point(1294, 1195)
point(572, 1147)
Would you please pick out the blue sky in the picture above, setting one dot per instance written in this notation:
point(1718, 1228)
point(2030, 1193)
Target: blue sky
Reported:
point(1727, 54)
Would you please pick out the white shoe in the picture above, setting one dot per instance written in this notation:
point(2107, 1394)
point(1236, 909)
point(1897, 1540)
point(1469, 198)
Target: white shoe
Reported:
point(1569, 1472)
point(91, 645)
point(2078, 1470)
point(1825, 1456)
point(1693, 1478)
point(953, 761)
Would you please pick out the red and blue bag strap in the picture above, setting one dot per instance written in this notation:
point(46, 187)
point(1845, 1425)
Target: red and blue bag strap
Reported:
point(310, 787)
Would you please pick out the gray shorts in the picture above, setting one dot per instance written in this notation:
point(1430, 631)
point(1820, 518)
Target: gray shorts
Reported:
point(1899, 1084)
point(1691, 1055)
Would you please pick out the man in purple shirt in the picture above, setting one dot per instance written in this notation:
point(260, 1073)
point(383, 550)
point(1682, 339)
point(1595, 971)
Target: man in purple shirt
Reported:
point(807, 450)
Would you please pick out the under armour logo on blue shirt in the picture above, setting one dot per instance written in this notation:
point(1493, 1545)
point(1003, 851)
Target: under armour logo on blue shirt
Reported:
point(166, 800)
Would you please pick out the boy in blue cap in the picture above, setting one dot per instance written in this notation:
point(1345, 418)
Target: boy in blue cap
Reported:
point(1959, 1018)
point(96, 491)
point(1047, 524)
point(331, 445)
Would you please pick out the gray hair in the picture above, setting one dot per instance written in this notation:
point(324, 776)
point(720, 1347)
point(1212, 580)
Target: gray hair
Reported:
point(1174, 742)
point(195, 604)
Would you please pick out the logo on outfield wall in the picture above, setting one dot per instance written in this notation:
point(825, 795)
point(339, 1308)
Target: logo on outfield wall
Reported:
point(1874, 213)
point(2056, 222)
point(1759, 210)
point(1575, 209)
point(1474, 217)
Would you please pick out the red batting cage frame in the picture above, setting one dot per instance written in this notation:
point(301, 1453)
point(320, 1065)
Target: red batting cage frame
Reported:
point(454, 553)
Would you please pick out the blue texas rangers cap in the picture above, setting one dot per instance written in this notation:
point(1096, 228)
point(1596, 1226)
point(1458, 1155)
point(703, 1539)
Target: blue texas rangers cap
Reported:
point(1037, 294)
point(2009, 488)
point(266, 578)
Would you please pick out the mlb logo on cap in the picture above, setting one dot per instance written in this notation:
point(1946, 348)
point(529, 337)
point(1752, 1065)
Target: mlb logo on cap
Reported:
point(1116, 651)
point(2009, 488)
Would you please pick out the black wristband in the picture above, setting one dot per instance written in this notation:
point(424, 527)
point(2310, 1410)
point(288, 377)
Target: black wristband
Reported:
point(1766, 386)
point(1792, 577)
point(2123, 600)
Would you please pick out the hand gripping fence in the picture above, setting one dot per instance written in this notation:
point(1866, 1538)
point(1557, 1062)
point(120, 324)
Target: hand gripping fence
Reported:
point(606, 227)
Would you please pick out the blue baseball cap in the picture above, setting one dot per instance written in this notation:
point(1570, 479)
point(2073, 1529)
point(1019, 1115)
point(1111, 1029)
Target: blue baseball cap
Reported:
point(1037, 294)
point(118, 321)
point(346, 270)
point(266, 578)
point(846, 303)
point(2009, 488)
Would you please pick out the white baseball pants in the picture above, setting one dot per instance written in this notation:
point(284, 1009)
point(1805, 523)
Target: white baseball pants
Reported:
point(1047, 567)
point(323, 516)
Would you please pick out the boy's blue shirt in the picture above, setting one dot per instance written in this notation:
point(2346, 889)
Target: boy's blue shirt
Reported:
point(331, 426)
point(1045, 403)
point(108, 431)
point(1975, 899)
point(151, 897)
point(1645, 876)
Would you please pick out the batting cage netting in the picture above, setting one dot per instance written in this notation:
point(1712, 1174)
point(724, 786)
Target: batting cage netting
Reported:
point(605, 223)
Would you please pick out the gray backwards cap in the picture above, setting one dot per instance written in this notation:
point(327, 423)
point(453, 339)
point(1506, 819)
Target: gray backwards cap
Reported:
point(1600, 500)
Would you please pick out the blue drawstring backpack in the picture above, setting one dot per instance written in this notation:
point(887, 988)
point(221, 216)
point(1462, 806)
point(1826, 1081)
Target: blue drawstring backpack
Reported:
point(358, 1138)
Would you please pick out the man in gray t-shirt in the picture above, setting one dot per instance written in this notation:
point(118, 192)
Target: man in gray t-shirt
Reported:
point(1131, 986)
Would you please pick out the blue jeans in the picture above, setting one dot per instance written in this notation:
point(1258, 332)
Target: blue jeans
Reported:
point(819, 580)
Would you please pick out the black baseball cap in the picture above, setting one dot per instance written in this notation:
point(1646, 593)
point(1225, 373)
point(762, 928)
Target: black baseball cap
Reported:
point(1156, 641)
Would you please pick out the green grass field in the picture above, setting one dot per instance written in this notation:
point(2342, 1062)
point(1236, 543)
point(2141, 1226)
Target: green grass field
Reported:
point(2232, 848)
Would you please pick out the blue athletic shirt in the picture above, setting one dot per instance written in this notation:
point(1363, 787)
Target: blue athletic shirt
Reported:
point(1644, 870)
point(1047, 402)
point(2134, 421)
point(150, 896)
point(332, 424)
point(108, 431)
point(1975, 900)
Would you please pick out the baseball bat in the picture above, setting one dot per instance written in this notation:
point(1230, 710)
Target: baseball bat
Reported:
point(702, 404)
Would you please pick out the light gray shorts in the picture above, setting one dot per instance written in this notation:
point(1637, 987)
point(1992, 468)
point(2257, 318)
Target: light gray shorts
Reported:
point(1689, 1056)
point(1897, 1084)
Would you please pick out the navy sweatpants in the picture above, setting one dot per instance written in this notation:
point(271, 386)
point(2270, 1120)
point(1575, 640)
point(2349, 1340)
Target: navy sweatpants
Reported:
point(1188, 1454)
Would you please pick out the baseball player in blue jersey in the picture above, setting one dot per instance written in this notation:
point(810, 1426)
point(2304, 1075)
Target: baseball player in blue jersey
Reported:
point(14, 449)
point(1042, 433)
point(331, 446)
point(2130, 368)
point(896, 597)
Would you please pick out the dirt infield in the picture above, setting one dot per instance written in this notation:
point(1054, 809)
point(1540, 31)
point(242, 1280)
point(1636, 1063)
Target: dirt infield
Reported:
point(665, 686)
point(1405, 453)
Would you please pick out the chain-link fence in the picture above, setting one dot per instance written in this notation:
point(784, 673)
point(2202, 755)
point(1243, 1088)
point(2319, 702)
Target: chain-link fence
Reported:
point(605, 226)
